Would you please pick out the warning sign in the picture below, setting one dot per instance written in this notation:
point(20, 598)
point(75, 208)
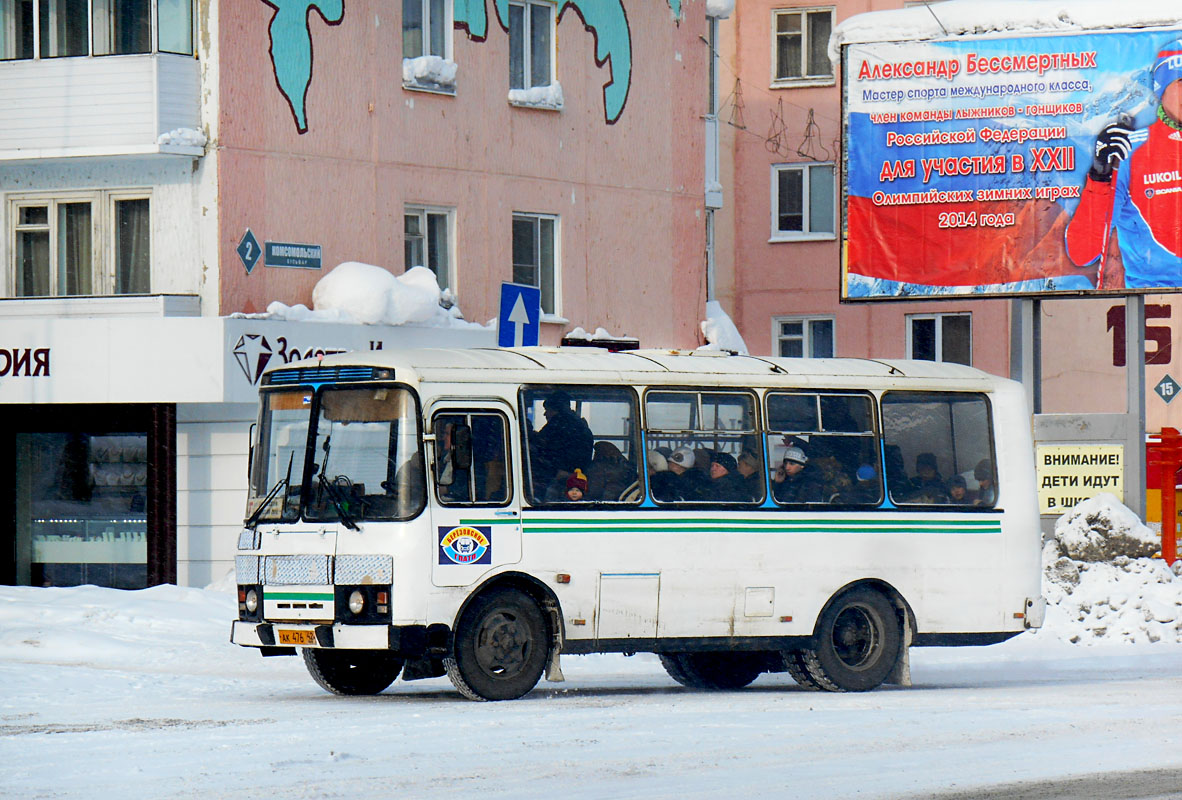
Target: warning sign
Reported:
point(1069, 474)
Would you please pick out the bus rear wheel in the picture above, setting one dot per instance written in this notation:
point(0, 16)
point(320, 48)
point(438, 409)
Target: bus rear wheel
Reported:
point(858, 643)
point(715, 671)
point(352, 672)
point(501, 646)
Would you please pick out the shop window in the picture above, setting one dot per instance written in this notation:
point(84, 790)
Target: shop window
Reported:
point(801, 46)
point(82, 509)
point(804, 337)
point(803, 202)
point(91, 244)
point(60, 28)
point(427, 242)
point(534, 256)
point(940, 337)
point(531, 44)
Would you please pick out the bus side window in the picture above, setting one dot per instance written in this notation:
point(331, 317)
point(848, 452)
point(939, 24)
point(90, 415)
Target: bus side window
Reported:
point(936, 445)
point(705, 447)
point(580, 434)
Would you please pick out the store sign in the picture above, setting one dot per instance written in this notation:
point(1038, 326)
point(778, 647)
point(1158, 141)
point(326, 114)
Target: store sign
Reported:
point(27, 362)
point(970, 166)
point(289, 254)
point(1070, 474)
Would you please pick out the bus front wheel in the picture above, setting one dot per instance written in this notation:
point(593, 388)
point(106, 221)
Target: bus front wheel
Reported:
point(500, 647)
point(715, 671)
point(351, 672)
point(858, 643)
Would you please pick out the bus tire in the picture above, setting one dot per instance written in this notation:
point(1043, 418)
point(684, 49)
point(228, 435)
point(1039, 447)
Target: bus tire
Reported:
point(713, 671)
point(501, 647)
point(352, 672)
point(794, 663)
point(858, 643)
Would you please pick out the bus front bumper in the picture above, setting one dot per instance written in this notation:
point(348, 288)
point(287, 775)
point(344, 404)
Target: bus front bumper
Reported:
point(401, 639)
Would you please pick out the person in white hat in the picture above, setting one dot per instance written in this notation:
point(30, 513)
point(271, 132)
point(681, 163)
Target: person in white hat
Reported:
point(691, 483)
point(793, 481)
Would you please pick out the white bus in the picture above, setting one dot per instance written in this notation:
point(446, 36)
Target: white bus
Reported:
point(477, 513)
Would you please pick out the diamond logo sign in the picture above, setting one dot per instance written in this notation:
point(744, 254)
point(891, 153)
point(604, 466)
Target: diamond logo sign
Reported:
point(249, 251)
point(252, 353)
point(1167, 388)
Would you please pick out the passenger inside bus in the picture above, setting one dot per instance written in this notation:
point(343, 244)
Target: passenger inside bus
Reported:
point(576, 486)
point(562, 445)
point(794, 481)
point(610, 474)
point(726, 485)
point(662, 482)
point(750, 471)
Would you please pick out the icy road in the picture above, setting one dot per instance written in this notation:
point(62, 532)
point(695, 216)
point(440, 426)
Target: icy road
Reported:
point(138, 694)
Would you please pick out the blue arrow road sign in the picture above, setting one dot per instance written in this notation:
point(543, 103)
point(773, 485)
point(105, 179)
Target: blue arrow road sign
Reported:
point(249, 251)
point(519, 322)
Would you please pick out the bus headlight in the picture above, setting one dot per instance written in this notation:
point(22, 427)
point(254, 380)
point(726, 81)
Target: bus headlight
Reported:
point(252, 601)
point(356, 602)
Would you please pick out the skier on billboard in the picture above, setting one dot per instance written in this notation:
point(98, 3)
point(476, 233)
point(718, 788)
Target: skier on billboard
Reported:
point(1135, 185)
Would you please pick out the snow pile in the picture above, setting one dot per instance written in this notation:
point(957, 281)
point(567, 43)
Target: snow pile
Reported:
point(720, 331)
point(362, 293)
point(971, 17)
point(599, 335)
point(720, 8)
point(182, 137)
point(538, 97)
point(1100, 583)
point(429, 71)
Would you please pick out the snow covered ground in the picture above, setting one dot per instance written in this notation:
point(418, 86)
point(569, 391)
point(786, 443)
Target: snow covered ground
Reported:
point(139, 694)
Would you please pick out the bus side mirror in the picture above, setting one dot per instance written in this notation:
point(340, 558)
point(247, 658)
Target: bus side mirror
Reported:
point(462, 444)
point(250, 450)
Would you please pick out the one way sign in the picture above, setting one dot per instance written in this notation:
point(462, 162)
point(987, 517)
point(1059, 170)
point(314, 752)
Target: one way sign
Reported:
point(519, 322)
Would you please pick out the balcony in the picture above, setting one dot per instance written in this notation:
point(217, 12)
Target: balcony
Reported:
point(99, 106)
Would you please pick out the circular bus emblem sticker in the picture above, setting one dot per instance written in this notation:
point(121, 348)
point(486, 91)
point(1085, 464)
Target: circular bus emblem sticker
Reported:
point(465, 545)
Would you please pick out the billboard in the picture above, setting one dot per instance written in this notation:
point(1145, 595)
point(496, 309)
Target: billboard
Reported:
point(1023, 165)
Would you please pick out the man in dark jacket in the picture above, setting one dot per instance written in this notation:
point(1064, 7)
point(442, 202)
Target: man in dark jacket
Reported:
point(561, 446)
point(794, 482)
point(725, 483)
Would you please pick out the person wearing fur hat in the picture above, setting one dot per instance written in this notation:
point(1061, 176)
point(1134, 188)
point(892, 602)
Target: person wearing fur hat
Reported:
point(726, 485)
point(752, 474)
point(1135, 186)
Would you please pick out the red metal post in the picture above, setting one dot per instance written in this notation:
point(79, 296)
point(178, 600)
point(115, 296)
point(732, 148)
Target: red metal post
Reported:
point(1169, 459)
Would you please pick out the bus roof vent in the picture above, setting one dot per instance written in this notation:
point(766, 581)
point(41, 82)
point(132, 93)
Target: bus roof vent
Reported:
point(319, 375)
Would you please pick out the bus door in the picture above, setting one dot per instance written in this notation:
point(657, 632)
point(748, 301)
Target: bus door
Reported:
point(475, 514)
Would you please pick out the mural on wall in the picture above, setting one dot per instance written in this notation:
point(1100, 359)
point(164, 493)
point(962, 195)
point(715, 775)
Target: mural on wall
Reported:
point(291, 47)
point(606, 20)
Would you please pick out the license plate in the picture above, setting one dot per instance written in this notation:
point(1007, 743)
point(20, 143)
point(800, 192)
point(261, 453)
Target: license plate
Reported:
point(297, 637)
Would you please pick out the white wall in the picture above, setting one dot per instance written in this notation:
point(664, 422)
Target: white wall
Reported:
point(212, 450)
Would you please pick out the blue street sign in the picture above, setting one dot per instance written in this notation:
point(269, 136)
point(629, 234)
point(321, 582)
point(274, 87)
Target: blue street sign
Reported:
point(520, 320)
point(1167, 389)
point(292, 254)
point(249, 251)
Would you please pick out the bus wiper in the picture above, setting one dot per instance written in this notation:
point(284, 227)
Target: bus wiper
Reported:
point(330, 489)
point(282, 483)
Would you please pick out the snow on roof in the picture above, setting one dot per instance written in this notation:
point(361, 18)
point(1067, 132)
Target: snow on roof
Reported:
point(974, 18)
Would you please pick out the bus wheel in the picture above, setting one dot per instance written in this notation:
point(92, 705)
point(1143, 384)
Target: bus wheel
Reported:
point(500, 648)
point(713, 670)
point(858, 643)
point(794, 663)
point(352, 671)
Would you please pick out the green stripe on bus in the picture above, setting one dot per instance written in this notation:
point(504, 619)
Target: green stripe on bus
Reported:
point(764, 521)
point(269, 595)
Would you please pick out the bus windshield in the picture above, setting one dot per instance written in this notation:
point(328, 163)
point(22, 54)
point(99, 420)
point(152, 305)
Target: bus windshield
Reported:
point(366, 457)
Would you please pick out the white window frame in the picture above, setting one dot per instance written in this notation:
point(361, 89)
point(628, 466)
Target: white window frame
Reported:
point(527, 31)
point(554, 314)
point(939, 328)
point(805, 79)
point(103, 235)
point(804, 235)
point(448, 26)
point(422, 211)
point(806, 337)
point(437, 82)
point(153, 36)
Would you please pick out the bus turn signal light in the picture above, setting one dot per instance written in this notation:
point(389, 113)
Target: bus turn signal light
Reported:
point(563, 578)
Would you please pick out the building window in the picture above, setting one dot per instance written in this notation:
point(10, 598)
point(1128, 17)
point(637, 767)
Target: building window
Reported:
point(940, 337)
point(426, 28)
point(58, 28)
point(803, 337)
point(801, 46)
point(534, 262)
point(803, 202)
point(531, 44)
point(427, 242)
point(97, 243)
